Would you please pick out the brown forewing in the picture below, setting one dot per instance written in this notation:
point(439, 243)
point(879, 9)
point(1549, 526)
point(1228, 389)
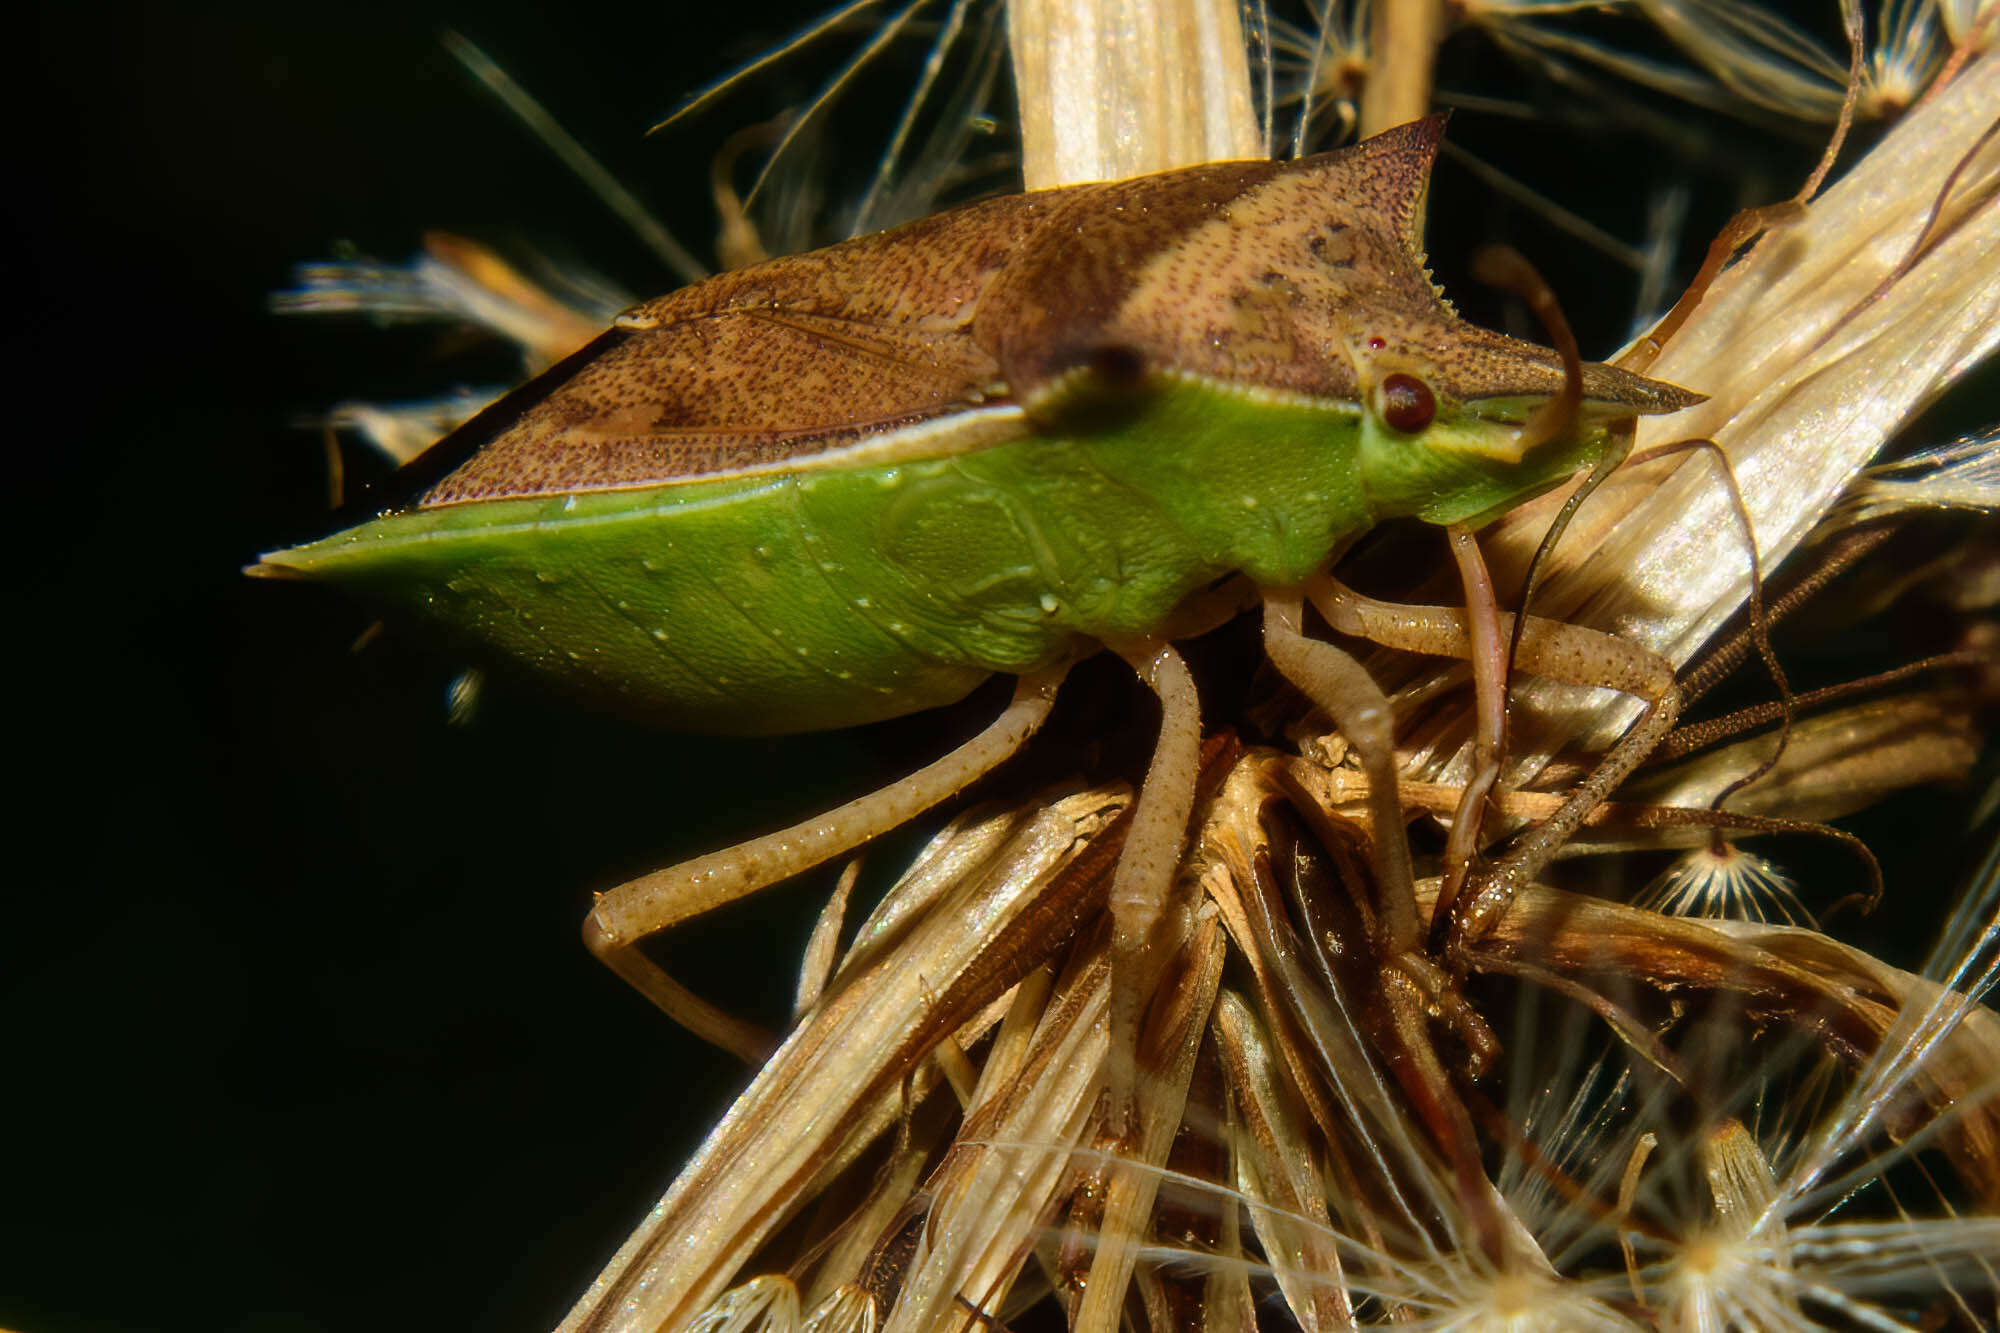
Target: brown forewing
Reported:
point(765, 364)
point(1297, 276)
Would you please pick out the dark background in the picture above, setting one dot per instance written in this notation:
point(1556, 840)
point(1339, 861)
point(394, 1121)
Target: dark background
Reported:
point(295, 1030)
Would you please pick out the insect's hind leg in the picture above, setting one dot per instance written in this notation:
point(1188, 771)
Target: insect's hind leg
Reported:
point(628, 914)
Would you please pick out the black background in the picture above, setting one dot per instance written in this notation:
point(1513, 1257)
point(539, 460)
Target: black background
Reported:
point(297, 1033)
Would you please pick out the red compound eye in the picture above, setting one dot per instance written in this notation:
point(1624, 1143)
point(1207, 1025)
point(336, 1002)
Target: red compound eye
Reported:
point(1407, 403)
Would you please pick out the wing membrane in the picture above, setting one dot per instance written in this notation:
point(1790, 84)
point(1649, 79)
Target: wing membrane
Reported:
point(765, 365)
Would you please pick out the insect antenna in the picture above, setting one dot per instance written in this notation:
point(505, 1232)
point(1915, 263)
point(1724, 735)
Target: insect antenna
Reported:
point(1760, 629)
point(1751, 224)
point(1701, 735)
point(1724, 657)
point(1508, 269)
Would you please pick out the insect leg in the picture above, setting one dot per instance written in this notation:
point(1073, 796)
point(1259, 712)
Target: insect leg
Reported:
point(1342, 688)
point(645, 906)
point(1151, 857)
point(1412, 987)
point(1488, 653)
point(1548, 648)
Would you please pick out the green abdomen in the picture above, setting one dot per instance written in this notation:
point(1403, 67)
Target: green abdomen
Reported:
point(830, 598)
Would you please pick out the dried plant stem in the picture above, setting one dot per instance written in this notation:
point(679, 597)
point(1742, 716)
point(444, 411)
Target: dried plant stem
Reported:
point(1407, 33)
point(1112, 88)
point(1024, 878)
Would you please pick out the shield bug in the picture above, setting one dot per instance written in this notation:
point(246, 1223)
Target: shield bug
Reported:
point(852, 484)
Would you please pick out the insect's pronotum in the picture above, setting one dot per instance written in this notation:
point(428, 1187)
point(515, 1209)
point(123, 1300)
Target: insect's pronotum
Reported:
point(852, 484)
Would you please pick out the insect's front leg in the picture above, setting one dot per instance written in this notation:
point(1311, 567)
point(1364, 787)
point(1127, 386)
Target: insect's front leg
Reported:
point(1342, 689)
point(1569, 653)
point(645, 906)
point(1487, 652)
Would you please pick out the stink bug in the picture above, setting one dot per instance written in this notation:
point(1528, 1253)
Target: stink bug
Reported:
point(853, 484)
